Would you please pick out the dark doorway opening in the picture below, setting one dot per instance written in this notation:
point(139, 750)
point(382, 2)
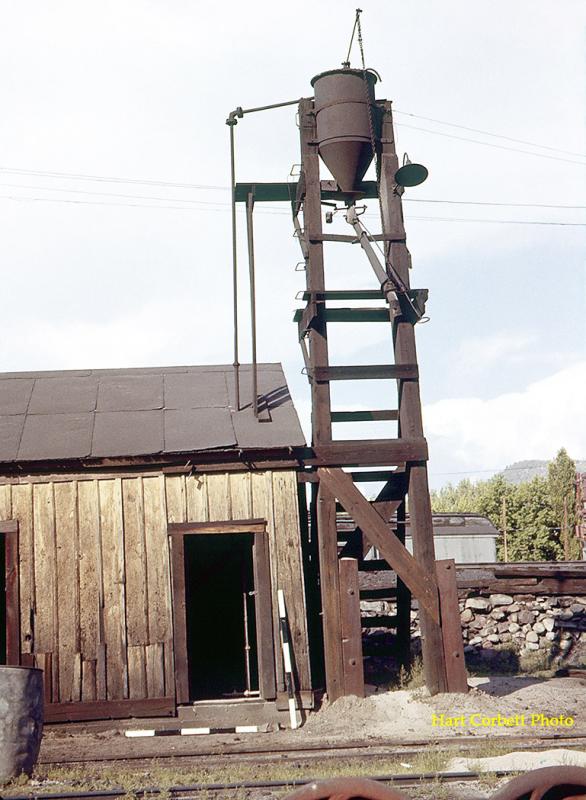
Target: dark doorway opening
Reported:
point(222, 651)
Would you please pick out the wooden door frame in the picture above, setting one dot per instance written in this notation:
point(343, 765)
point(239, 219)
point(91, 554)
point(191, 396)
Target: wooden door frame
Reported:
point(263, 602)
point(10, 530)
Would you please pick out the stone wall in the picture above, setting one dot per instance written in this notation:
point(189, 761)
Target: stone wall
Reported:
point(524, 623)
point(506, 629)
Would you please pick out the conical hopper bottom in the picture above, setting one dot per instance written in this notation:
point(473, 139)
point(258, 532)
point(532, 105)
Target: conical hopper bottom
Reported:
point(347, 160)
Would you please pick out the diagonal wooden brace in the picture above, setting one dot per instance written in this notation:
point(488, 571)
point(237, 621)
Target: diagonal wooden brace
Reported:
point(386, 504)
point(423, 586)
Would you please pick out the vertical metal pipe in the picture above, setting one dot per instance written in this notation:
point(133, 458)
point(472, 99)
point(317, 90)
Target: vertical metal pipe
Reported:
point(249, 230)
point(234, 268)
point(246, 635)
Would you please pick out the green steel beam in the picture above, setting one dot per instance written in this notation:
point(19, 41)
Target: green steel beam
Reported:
point(287, 192)
point(345, 294)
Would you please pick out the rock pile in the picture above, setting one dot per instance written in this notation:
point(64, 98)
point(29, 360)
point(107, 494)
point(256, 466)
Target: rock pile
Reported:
point(525, 622)
point(520, 624)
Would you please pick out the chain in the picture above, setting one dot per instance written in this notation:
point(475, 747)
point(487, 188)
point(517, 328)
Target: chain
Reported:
point(346, 63)
point(390, 270)
point(370, 114)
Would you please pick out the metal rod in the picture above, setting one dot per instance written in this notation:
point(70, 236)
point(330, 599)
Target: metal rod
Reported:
point(362, 235)
point(246, 636)
point(391, 282)
point(240, 112)
point(231, 123)
point(250, 234)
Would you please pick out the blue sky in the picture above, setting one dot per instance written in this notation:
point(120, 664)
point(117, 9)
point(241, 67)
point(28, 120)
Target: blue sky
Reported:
point(101, 273)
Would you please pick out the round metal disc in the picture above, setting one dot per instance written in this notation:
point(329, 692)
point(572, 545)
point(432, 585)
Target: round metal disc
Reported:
point(411, 175)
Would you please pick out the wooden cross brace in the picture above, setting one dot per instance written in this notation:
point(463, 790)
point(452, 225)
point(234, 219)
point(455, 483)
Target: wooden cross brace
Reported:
point(422, 585)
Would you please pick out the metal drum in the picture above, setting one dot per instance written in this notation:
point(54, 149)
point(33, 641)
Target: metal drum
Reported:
point(21, 719)
point(342, 99)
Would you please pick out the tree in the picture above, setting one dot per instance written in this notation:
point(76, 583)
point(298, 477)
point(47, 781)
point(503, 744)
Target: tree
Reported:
point(539, 514)
point(456, 499)
point(561, 477)
point(533, 535)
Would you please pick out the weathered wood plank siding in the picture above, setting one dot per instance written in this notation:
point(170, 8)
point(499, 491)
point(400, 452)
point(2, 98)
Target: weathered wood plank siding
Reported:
point(95, 582)
point(67, 588)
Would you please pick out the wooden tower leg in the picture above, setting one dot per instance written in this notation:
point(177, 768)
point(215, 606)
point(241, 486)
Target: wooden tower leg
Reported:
point(410, 421)
point(403, 603)
point(321, 409)
point(432, 649)
point(351, 627)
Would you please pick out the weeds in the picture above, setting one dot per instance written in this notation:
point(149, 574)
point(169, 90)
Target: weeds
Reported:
point(411, 678)
point(490, 780)
point(134, 782)
point(431, 760)
point(535, 661)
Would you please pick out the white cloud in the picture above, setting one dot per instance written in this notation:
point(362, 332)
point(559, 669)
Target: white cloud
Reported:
point(515, 349)
point(158, 333)
point(474, 434)
point(478, 352)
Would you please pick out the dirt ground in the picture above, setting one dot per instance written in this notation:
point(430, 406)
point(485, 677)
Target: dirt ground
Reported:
point(528, 705)
point(390, 716)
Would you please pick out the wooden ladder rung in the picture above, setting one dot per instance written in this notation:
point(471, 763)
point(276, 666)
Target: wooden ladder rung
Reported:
point(365, 416)
point(344, 294)
point(376, 475)
point(349, 315)
point(366, 372)
point(357, 315)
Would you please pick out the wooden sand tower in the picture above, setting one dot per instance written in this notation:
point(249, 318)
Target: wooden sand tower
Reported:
point(347, 128)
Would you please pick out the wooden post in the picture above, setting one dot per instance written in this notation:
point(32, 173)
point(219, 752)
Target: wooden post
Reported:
point(453, 646)
point(403, 604)
point(177, 545)
point(330, 592)
point(318, 337)
point(410, 421)
point(320, 405)
point(351, 627)
point(264, 617)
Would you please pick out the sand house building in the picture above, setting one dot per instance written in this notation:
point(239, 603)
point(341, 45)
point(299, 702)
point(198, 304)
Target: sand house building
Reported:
point(146, 526)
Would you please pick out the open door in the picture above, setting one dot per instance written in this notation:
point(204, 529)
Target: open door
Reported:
point(9, 594)
point(222, 611)
point(222, 656)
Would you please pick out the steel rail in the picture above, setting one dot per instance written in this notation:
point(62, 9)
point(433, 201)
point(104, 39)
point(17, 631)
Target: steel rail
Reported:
point(225, 751)
point(401, 779)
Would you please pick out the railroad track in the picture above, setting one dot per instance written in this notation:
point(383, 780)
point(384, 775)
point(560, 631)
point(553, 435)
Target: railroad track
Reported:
point(241, 752)
point(186, 792)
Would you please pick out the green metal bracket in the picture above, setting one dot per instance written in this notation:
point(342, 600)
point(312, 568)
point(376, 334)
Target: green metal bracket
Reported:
point(287, 192)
